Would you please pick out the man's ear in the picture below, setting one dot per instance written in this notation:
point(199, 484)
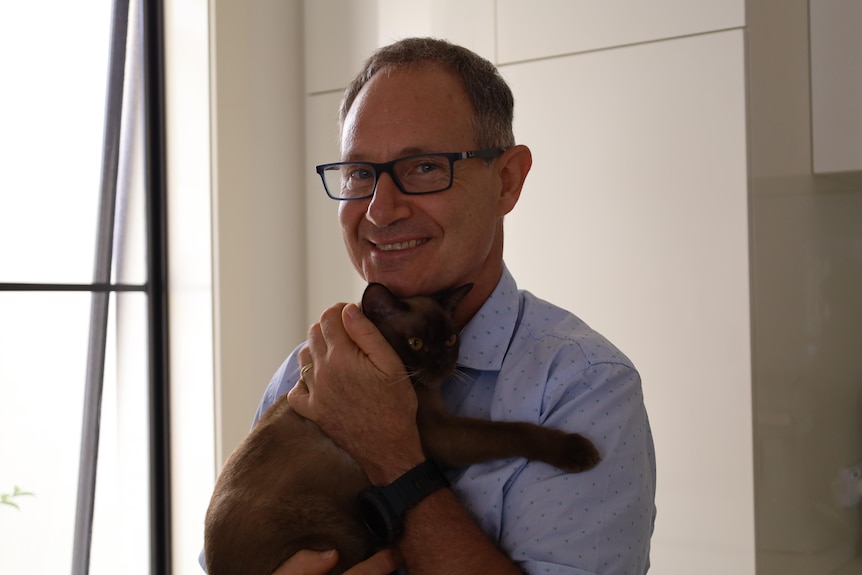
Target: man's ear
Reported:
point(514, 165)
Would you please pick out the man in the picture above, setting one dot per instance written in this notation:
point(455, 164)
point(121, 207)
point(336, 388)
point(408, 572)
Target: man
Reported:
point(523, 359)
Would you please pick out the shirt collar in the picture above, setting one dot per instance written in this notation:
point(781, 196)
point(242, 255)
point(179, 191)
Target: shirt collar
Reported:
point(486, 337)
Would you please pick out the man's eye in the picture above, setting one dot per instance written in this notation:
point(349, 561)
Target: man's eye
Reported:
point(360, 174)
point(415, 343)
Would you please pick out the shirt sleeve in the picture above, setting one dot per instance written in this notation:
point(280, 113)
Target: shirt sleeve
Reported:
point(282, 381)
point(596, 522)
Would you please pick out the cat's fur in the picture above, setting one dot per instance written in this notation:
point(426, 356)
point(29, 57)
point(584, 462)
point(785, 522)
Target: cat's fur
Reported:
point(289, 487)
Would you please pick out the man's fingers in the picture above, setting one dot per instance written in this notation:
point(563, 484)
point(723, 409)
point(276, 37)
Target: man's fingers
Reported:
point(321, 562)
point(381, 563)
point(368, 338)
point(343, 328)
point(308, 563)
point(330, 326)
point(304, 356)
point(297, 398)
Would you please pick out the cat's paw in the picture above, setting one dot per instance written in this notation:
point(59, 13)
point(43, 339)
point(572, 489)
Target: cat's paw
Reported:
point(578, 454)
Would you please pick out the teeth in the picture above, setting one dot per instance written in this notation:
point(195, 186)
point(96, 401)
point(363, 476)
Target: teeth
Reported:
point(400, 245)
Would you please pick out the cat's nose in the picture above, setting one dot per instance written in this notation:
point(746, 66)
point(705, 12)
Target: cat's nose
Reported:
point(441, 364)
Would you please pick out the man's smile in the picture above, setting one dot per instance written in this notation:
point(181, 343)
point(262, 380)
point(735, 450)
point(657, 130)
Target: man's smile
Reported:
point(400, 245)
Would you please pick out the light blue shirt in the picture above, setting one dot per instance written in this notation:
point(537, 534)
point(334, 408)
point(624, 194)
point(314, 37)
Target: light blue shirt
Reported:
point(527, 360)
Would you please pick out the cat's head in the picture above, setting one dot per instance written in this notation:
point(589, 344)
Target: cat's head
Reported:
point(420, 329)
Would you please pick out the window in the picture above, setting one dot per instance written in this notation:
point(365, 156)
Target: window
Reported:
point(83, 344)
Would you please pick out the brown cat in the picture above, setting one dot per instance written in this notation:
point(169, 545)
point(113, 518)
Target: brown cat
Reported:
point(289, 487)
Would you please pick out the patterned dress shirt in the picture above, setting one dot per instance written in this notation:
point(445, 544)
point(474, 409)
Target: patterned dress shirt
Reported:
point(523, 359)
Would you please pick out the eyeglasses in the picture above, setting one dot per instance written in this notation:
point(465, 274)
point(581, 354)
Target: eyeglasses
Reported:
point(419, 174)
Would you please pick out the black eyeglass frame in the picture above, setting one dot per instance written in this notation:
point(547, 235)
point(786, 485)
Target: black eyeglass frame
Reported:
point(386, 168)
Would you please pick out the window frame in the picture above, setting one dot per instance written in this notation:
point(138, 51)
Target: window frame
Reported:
point(155, 287)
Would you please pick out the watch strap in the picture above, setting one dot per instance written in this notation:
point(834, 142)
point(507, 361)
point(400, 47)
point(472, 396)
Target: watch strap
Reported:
point(383, 508)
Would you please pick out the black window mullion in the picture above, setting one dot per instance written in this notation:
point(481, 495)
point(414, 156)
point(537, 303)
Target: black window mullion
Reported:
point(159, 420)
point(94, 287)
point(100, 299)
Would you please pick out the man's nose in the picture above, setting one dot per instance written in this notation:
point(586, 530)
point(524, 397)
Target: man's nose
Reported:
point(388, 204)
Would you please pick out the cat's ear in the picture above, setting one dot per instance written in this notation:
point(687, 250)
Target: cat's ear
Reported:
point(378, 303)
point(450, 299)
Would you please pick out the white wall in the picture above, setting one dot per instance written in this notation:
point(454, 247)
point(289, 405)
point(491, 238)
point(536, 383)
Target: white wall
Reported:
point(237, 230)
point(187, 86)
point(258, 204)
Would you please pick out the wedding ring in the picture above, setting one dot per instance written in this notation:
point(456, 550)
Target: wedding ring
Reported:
point(304, 370)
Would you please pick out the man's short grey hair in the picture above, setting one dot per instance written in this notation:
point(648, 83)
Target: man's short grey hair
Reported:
point(488, 94)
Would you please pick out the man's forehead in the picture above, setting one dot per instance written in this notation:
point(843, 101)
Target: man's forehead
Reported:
point(406, 111)
point(396, 85)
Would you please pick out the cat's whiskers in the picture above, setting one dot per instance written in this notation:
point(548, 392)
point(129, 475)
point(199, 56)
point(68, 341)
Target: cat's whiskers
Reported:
point(459, 376)
point(416, 377)
point(407, 375)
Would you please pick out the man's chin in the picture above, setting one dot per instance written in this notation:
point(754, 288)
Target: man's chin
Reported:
point(403, 282)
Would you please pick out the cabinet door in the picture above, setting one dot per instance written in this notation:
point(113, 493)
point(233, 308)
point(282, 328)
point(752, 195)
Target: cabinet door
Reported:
point(543, 28)
point(836, 86)
point(635, 218)
point(341, 34)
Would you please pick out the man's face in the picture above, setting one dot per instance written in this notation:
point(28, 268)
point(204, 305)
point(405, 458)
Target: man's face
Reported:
point(420, 244)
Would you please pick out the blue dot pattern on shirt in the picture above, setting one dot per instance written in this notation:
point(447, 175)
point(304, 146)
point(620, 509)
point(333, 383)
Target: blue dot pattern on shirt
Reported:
point(524, 359)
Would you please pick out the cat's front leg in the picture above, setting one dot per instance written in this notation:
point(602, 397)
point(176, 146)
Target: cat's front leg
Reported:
point(460, 441)
point(570, 452)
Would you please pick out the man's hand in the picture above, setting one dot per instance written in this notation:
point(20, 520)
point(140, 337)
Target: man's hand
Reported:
point(358, 392)
point(320, 563)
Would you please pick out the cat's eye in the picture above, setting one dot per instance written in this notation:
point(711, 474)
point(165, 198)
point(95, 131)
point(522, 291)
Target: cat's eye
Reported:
point(415, 343)
point(452, 340)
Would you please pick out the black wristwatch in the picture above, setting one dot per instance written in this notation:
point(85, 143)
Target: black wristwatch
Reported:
point(383, 508)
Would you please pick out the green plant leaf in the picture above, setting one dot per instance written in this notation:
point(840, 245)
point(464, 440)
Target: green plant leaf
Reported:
point(7, 498)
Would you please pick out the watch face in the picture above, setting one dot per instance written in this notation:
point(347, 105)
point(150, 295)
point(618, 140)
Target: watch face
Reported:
point(378, 516)
point(383, 508)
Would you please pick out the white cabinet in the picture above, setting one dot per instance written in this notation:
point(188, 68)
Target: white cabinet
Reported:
point(543, 28)
point(836, 85)
point(341, 34)
point(635, 218)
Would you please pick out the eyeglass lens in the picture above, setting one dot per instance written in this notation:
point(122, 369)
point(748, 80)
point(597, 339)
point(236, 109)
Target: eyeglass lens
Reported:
point(416, 175)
